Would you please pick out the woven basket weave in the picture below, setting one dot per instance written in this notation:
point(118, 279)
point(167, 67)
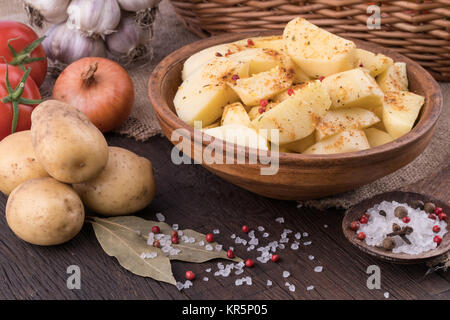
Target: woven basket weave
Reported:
point(418, 29)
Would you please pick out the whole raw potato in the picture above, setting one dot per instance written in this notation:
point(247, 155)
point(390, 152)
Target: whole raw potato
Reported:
point(45, 212)
point(125, 186)
point(66, 143)
point(18, 162)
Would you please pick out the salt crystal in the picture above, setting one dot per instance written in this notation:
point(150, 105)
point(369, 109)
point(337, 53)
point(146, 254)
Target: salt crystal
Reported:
point(231, 248)
point(220, 266)
point(216, 274)
point(233, 236)
point(249, 281)
point(208, 270)
point(265, 235)
point(284, 240)
point(188, 284)
point(307, 243)
point(201, 243)
point(209, 247)
point(298, 235)
point(318, 269)
point(180, 233)
point(386, 295)
point(292, 288)
point(205, 278)
point(281, 246)
point(238, 282)
point(254, 241)
point(305, 234)
point(180, 286)
point(309, 288)
point(261, 228)
point(311, 257)
point(280, 220)
point(325, 226)
point(143, 255)
point(160, 217)
point(286, 274)
point(244, 242)
point(239, 271)
point(219, 247)
point(294, 246)
point(287, 231)
point(216, 231)
point(251, 234)
point(299, 205)
point(269, 283)
point(287, 284)
point(175, 226)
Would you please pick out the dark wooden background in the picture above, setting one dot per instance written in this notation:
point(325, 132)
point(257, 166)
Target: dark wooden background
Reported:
point(192, 197)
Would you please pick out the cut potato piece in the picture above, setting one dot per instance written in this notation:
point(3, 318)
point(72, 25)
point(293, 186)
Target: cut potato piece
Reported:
point(335, 121)
point(346, 141)
point(235, 114)
point(255, 111)
point(302, 144)
point(394, 78)
point(263, 59)
point(287, 93)
point(200, 59)
point(270, 42)
point(353, 88)
point(316, 51)
point(400, 111)
point(202, 96)
point(240, 135)
point(263, 85)
point(375, 63)
point(377, 137)
point(297, 116)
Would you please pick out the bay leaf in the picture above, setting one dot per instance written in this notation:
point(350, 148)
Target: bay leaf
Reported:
point(127, 246)
point(190, 252)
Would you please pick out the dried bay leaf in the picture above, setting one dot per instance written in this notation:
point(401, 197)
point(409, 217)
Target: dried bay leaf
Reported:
point(190, 252)
point(127, 246)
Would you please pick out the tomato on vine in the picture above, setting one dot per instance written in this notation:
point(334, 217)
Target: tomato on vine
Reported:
point(19, 95)
point(21, 47)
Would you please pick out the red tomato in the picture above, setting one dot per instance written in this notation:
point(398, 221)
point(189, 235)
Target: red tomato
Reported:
point(19, 36)
point(31, 91)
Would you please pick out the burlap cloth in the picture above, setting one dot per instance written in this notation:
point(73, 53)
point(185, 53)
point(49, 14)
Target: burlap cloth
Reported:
point(170, 34)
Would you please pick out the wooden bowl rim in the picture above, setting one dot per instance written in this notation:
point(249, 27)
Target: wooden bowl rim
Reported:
point(402, 258)
point(163, 110)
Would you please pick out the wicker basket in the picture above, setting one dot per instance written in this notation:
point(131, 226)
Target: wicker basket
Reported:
point(417, 29)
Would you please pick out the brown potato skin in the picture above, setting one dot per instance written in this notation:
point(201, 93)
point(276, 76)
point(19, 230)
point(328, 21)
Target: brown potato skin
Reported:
point(125, 186)
point(18, 162)
point(44, 212)
point(66, 143)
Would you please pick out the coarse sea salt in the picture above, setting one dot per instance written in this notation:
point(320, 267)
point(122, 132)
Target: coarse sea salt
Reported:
point(269, 283)
point(205, 279)
point(280, 220)
point(286, 274)
point(260, 228)
point(421, 238)
point(311, 257)
point(386, 295)
point(309, 288)
point(160, 217)
point(216, 231)
point(318, 269)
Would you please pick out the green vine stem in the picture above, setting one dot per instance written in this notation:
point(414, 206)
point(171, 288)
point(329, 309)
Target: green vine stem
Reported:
point(23, 57)
point(15, 96)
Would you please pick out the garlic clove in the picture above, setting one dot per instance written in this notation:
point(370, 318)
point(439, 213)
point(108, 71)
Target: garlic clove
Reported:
point(130, 41)
point(52, 11)
point(66, 45)
point(138, 5)
point(94, 18)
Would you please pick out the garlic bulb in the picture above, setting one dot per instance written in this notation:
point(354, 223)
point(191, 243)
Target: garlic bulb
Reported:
point(94, 18)
point(66, 45)
point(53, 11)
point(129, 41)
point(137, 5)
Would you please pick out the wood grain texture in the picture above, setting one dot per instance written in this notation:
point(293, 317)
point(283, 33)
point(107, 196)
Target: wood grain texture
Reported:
point(301, 177)
point(194, 198)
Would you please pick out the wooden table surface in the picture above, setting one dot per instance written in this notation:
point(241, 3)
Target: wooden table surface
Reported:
point(192, 197)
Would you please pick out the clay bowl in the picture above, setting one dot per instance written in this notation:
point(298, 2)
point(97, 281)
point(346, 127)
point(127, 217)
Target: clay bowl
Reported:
point(300, 177)
point(355, 212)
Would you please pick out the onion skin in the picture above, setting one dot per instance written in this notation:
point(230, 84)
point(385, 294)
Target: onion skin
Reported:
point(106, 98)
